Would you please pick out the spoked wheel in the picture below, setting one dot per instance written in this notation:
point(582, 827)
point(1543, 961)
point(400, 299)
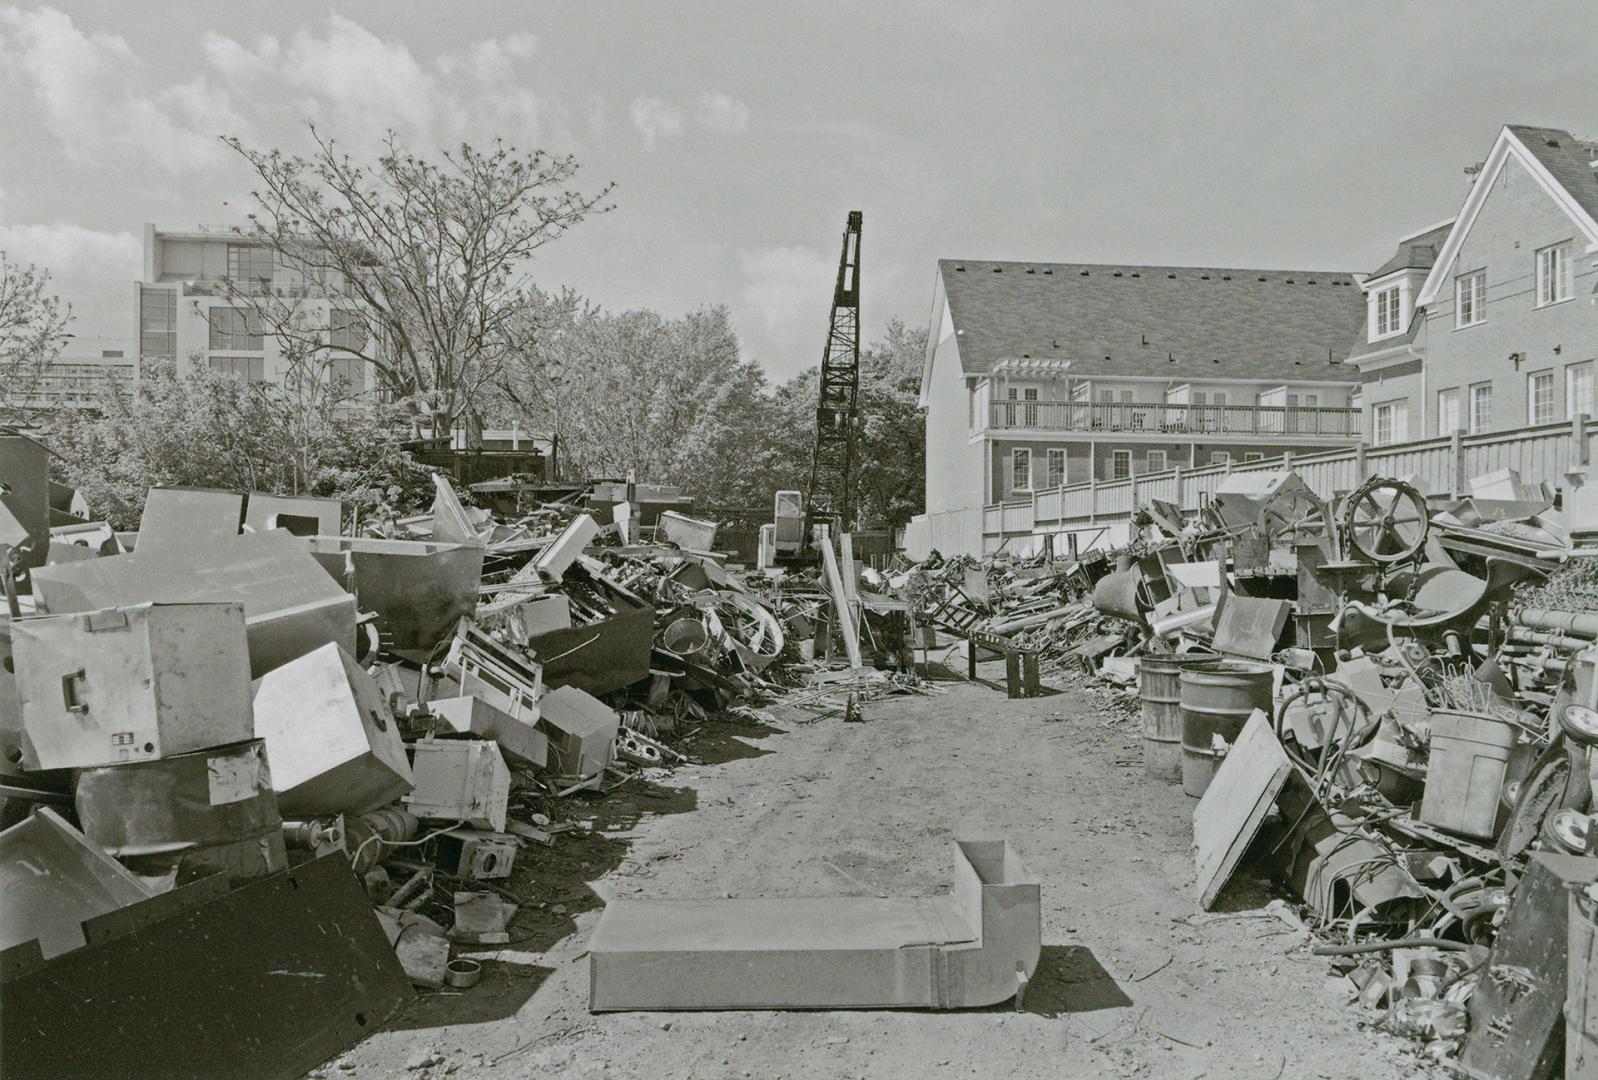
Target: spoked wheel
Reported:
point(1293, 515)
point(1387, 521)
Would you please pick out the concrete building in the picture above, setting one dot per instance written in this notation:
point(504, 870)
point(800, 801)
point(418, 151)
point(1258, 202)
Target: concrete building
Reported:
point(191, 313)
point(1487, 322)
point(1039, 375)
point(81, 375)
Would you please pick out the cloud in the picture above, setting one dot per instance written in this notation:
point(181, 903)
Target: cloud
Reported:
point(721, 112)
point(88, 267)
point(788, 287)
point(88, 86)
point(656, 120)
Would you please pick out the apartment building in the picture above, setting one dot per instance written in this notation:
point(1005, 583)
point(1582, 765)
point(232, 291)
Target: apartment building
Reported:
point(1489, 321)
point(80, 376)
point(1041, 375)
point(194, 309)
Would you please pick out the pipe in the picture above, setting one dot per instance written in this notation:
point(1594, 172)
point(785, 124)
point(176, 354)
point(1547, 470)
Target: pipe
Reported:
point(1382, 946)
point(1175, 624)
point(1033, 620)
point(1578, 624)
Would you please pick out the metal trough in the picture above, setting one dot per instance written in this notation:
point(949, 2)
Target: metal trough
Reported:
point(977, 946)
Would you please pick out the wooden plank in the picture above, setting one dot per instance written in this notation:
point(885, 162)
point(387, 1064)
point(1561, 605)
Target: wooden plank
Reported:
point(840, 601)
point(1234, 806)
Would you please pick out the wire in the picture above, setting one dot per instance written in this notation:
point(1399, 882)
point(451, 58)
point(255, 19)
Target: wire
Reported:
point(356, 854)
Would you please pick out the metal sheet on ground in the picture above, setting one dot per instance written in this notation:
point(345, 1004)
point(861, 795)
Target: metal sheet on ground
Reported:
point(1233, 807)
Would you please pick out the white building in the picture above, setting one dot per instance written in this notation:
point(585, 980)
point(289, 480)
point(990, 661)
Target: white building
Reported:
point(191, 309)
point(80, 376)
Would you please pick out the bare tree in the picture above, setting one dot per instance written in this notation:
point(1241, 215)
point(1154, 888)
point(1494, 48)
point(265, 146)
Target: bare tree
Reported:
point(32, 323)
point(435, 253)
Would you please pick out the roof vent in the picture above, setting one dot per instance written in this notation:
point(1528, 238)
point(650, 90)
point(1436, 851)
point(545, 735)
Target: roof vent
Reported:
point(1171, 276)
point(1311, 281)
point(1226, 277)
point(1084, 273)
point(1136, 274)
point(1262, 277)
point(998, 269)
point(1204, 277)
point(1028, 356)
point(1031, 270)
point(1554, 143)
point(1118, 273)
point(1290, 281)
point(1215, 359)
point(959, 269)
point(1047, 272)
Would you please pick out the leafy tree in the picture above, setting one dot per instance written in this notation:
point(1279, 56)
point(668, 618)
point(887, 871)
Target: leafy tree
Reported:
point(209, 429)
point(435, 252)
point(32, 322)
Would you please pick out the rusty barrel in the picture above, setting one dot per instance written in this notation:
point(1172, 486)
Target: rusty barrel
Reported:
point(1160, 689)
point(206, 812)
point(1217, 699)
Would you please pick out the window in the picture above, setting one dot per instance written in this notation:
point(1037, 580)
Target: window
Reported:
point(1020, 470)
point(1120, 464)
point(1481, 407)
point(1157, 461)
point(348, 374)
point(248, 368)
point(158, 323)
point(1578, 390)
point(1470, 299)
point(1553, 274)
point(1220, 457)
point(1391, 423)
point(1253, 455)
point(234, 330)
point(1106, 395)
point(1540, 397)
point(1387, 312)
point(346, 330)
point(1055, 471)
point(249, 262)
point(1448, 411)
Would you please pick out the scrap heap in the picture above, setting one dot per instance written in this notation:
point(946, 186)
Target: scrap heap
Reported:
point(1390, 702)
point(206, 726)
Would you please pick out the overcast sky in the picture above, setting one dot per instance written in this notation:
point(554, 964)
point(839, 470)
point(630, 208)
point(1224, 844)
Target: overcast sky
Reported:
point(1269, 134)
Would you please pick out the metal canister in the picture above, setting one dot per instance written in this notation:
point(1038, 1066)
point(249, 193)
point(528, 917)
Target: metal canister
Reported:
point(1217, 699)
point(205, 812)
point(1160, 689)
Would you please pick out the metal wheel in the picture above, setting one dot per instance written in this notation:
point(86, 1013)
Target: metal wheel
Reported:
point(1386, 521)
point(1294, 514)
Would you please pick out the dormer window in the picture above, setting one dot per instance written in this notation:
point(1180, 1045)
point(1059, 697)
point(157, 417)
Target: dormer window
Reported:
point(1388, 312)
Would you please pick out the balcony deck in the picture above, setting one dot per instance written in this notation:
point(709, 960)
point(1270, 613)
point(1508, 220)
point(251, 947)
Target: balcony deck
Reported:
point(1158, 418)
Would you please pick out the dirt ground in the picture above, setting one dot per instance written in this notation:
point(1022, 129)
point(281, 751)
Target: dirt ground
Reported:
point(1134, 980)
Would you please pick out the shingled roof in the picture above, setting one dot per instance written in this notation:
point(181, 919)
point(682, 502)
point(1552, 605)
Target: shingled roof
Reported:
point(1417, 252)
point(1567, 158)
point(1173, 321)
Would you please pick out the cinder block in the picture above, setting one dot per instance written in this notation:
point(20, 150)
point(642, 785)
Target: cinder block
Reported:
point(331, 742)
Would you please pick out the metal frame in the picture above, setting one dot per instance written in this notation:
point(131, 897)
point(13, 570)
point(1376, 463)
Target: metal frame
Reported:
point(830, 496)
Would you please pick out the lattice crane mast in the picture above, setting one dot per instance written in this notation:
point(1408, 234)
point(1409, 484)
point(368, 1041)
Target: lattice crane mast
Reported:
point(830, 498)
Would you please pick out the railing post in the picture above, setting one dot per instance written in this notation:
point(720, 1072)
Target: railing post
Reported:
point(1578, 426)
point(1093, 498)
point(1287, 460)
point(1456, 448)
point(1359, 462)
point(1181, 498)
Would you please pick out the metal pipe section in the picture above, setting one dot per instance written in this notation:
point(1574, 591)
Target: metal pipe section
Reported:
point(1174, 624)
point(1576, 624)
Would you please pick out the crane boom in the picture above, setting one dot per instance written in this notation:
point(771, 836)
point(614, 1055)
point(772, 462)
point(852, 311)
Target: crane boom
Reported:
point(830, 498)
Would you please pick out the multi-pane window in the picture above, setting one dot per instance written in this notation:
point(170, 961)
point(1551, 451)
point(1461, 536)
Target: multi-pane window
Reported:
point(348, 374)
point(346, 330)
point(1448, 411)
point(1055, 470)
point(1390, 421)
point(249, 262)
point(1540, 397)
point(1578, 390)
point(233, 330)
point(1253, 455)
point(1220, 457)
point(1387, 312)
point(1481, 407)
point(1020, 470)
point(158, 323)
point(1156, 461)
point(1470, 299)
point(247, 368)
point(1120, 464)
point(1553, 274)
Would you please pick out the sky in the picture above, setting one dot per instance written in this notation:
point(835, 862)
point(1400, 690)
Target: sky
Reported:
point(739, 134)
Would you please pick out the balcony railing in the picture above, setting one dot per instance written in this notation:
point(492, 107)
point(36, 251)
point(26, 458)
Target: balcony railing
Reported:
point(1160, 419)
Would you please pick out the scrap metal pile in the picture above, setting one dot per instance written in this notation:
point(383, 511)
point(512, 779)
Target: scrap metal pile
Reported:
point(207, 725)
point(1390, 702)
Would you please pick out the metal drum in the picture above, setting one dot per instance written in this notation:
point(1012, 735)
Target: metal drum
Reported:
point(1217, 699)
point(206, 812)
point(1160, 688)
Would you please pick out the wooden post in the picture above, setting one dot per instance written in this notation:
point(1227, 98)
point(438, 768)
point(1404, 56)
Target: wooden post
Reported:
point(1181, 496)
point(1578, 425)
point(1359, 463)
point(1456, 448)
point(1287, 460)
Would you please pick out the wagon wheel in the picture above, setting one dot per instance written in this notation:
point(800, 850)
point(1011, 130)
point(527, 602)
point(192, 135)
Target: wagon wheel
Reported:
point(1293, 515)
point(1386, 521)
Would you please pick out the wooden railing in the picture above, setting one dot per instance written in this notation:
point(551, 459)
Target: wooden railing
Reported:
point(1155, 419)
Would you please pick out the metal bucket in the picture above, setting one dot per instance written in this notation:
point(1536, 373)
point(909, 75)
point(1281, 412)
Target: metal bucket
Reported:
point(207, 812)
point(1160, 688)
point(1581, 998)
point(1217, 699)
